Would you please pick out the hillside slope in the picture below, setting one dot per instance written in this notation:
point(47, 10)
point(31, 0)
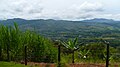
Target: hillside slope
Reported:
point(61, 29)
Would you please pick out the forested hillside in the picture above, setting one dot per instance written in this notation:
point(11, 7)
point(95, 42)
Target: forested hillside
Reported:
point(86, 30)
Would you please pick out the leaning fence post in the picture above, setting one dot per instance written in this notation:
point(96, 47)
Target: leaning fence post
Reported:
point(25, 55)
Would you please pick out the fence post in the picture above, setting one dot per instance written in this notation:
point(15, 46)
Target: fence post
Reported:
point(57, 42)
point(0, 52)
point(73, 57)
point(25, 55)
point(107, 58)
point(107, 49)
point(58, 55)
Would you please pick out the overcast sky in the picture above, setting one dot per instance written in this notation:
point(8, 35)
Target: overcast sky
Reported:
point(60, 9)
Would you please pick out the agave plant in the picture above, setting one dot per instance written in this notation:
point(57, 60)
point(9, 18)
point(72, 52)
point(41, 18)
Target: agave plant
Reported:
point(72, 45)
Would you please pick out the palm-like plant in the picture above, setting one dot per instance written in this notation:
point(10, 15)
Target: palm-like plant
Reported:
point(72, 45)
point(84, 53)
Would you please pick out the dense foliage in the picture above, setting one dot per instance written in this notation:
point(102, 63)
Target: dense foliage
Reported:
point(94, 52)
point(13, 41)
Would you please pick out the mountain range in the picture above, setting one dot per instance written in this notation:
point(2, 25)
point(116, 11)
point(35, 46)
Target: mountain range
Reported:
point(62, 29)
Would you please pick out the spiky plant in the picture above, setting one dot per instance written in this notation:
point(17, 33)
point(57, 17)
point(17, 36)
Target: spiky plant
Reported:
point(84, 53)
point(72, 45)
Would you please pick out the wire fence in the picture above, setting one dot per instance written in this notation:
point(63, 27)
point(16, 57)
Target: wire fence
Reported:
point(93, 55)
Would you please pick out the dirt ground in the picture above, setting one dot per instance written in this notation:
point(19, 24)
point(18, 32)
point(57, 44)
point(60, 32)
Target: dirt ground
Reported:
point(69, 65)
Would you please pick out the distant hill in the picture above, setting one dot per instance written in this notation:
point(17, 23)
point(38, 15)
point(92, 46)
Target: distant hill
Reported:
point(62, 29)
point(41, 25)
point(102, 20)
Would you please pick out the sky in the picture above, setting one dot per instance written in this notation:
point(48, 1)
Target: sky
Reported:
point(60, 9)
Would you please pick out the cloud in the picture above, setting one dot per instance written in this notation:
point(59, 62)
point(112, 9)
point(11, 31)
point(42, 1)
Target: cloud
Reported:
point(21, 9)
point(37, 9)
point(88, 7)
point(87, 10)
point(83, 11)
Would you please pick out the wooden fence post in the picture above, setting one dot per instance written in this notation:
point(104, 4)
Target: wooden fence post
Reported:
point(0, 52)
point(73, 57)
point(107, 55)
point(59, 55)
point(107, 58)
point(25, 55)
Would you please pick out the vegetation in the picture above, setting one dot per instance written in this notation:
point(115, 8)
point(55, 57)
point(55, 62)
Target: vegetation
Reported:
point(13, 41)
point(61, 29)
point(72, 46)
point(11, 64)
point(41, 49)
point(91, 53)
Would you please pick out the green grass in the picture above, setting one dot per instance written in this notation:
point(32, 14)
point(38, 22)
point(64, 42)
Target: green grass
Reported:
point(11, 64)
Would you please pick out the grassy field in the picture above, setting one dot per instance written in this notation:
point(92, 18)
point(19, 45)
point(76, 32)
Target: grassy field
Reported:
point(11, 64)
point(30, 64)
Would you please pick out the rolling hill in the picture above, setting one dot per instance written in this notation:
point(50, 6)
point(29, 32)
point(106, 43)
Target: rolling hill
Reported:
point(62, 29)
